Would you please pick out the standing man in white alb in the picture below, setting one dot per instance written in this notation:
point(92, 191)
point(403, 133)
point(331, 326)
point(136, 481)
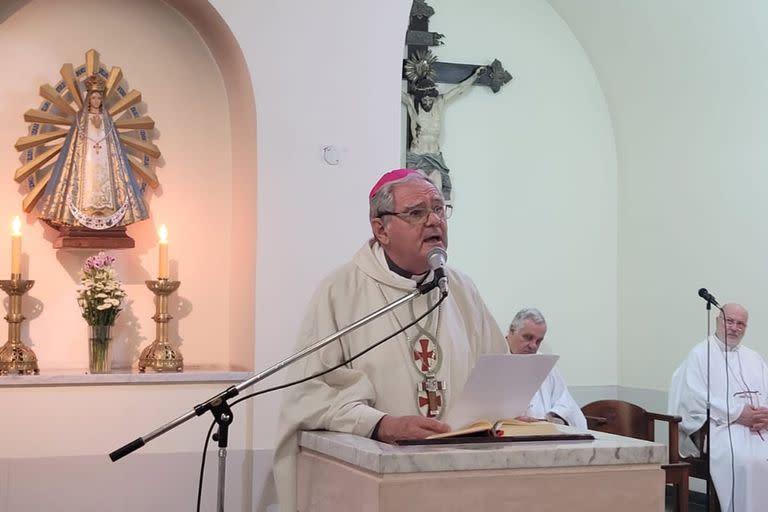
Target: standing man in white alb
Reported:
point(737, 403)
point(552, 401)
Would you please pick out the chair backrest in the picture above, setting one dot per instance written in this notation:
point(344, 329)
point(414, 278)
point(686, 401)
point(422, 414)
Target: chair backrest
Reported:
point(630, 420)
point(619, 417)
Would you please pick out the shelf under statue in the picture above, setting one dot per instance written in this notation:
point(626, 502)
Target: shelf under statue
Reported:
point(94, 186)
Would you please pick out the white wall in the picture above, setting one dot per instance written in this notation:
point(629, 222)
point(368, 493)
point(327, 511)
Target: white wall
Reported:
point(534, 173)
point(55, 441)
point(686, 86)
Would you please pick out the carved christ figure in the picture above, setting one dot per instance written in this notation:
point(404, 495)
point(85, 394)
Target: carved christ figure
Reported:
point(92, 184)
point(425, 109)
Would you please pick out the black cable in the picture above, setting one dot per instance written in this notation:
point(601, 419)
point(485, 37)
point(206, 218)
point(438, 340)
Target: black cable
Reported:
point(202, 466)
point(708, 441)
point(728, 412)
point(305, 379)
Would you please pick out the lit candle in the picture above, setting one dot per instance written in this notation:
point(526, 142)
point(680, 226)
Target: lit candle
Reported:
point(163, 246)
point(16, 246)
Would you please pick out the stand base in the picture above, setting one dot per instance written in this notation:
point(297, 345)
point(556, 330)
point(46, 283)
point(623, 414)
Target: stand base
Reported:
point(84, 238)
point(17, 358)
point(161, 357)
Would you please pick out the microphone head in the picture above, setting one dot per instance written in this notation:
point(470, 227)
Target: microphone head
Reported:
point(704, 294)
point(436, 257)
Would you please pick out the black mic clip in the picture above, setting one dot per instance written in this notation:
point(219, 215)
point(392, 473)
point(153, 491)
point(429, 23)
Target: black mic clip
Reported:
point(425, 288)
point(704, 294)
point(439, 280)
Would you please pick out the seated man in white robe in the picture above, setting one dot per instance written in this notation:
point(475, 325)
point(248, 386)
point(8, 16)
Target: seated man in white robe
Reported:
point(737, 403)
point(401, 389)
point(552, 402)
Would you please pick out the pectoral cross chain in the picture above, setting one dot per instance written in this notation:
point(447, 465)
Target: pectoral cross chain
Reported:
point(97, 144)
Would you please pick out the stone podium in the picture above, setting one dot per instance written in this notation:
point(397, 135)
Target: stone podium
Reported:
point(343, 472)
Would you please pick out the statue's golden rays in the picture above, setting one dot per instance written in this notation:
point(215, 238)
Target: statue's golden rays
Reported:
point(52, 121)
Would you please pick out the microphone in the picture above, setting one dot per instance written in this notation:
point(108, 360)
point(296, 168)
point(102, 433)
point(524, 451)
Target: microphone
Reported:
point(704, 294)
point(436, 258)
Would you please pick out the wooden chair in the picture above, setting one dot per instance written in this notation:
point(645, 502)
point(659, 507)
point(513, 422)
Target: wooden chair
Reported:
point(700, 467)
point(627, 419)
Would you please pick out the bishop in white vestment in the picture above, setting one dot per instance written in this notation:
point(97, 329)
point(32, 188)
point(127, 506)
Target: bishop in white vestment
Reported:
point(400, 389)
point(738, 390)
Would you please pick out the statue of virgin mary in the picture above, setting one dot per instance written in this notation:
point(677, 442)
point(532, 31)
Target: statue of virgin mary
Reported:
point(92, 184)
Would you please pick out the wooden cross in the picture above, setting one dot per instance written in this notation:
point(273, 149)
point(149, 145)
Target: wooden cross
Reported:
point(420, 39)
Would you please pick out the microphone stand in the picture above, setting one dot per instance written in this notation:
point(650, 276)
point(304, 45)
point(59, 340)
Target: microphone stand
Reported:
point(220, 409)
point(709, 402)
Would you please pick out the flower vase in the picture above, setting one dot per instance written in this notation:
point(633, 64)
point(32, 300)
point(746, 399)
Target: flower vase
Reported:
point(99, 348)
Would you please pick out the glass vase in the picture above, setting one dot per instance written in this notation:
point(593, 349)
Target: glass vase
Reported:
point(99, 348)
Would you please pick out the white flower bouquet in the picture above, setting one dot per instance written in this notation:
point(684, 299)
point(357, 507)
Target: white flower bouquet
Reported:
point(101, 294)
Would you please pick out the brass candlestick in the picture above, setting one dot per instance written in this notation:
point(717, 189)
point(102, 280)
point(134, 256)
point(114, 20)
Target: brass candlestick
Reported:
point(15, 356)
point(159, 355)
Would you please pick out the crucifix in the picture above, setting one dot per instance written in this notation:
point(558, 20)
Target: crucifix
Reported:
point(429, 392)
point(425, 104)
point(434, 399)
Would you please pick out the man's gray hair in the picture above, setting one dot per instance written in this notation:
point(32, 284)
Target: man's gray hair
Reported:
point(384, 200)
point(532, 314)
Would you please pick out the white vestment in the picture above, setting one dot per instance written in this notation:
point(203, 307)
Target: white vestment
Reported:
point(354, 397)
point(747, 383)
point(553, 397)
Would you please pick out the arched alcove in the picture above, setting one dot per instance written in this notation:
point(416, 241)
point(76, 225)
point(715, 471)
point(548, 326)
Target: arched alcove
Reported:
point(184, 59)
point(242, 117)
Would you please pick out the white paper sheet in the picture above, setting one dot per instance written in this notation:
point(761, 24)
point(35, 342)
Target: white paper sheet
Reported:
point(500, 386)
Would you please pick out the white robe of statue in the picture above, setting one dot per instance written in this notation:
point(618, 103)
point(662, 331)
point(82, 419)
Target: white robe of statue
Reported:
point(747, 383)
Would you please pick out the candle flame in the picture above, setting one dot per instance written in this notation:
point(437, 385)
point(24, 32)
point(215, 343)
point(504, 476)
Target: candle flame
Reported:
point(163, 232)
point(16, 226)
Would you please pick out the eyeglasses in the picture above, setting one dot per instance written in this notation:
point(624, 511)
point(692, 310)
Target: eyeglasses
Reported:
point(737, 323)
point(420, 214)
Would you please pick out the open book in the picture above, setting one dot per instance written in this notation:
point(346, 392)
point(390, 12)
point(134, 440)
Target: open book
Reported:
point(502, 428)
point(500, 386)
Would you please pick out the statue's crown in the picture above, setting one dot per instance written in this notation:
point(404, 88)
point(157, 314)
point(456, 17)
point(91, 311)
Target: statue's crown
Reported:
point(95, 83)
